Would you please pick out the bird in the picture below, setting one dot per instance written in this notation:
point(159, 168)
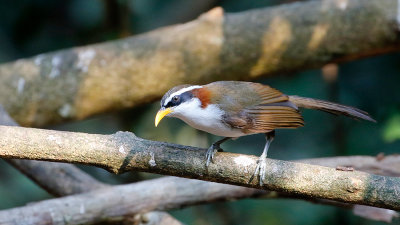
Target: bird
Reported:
point(232, 109)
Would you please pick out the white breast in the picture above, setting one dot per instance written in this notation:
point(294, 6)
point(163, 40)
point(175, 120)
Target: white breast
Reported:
point(208, 119)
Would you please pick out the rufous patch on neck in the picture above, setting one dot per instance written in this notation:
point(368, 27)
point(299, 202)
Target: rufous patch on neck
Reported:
point(203, 94)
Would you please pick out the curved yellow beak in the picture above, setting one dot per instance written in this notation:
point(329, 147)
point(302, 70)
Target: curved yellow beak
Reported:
point(160, 114)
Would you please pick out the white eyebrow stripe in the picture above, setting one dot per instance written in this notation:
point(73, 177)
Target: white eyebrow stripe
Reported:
point(183, 90)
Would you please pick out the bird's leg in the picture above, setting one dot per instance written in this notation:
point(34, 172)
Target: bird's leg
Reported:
point(213, 148)
point(262, 161)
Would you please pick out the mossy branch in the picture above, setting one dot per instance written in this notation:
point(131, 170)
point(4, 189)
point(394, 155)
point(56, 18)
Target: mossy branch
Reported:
point(123, 152)
point(61, 179)
point(65, 179)
point(79, 82)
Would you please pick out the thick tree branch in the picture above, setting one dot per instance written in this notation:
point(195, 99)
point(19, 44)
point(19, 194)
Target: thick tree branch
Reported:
point(96, 206)
point(381, 165)
point(61, 179)
point(158, 194)
point(64, 179)
point(123, 151)
point(79, 82)
point(58, 179)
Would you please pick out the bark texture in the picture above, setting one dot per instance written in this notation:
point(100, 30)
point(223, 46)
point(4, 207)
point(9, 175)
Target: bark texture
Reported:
point(123, 152)
point(124, 200)
point(61, 179)
point(97, 206)
point(79, 82)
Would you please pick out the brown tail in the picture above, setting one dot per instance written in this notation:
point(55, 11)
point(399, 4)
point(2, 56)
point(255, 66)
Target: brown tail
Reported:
point(330, 107)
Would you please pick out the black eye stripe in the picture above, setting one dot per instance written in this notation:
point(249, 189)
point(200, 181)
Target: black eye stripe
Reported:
point(178, 99)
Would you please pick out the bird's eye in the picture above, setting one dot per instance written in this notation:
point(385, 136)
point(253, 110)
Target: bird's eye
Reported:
point(175, 98)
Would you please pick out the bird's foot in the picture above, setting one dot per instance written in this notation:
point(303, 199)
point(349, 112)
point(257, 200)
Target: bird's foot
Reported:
point(260, 170)
point(211, 152)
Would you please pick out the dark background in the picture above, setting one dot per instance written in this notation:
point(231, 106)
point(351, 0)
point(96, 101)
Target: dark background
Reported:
point(29, 28)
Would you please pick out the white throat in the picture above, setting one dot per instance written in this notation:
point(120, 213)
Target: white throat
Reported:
point(208, 119)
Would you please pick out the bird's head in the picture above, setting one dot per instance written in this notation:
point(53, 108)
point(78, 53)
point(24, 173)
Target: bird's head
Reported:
point(182, 101)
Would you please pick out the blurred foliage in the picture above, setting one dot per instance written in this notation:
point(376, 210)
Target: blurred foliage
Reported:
point(392, 129)
point(36, 26)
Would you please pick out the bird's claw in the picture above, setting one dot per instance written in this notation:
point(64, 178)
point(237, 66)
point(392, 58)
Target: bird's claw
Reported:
point(260, 170)
point(211, 152)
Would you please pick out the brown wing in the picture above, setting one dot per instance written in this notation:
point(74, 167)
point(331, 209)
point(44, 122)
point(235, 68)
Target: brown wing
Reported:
point(269, 109)
point(266, 118)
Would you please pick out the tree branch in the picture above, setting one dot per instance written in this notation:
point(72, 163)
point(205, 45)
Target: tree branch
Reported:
point(158, 194)
point(61, 179)
point(381, 165)
point(123, 151)
point(79, 82)
point(96, 206)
